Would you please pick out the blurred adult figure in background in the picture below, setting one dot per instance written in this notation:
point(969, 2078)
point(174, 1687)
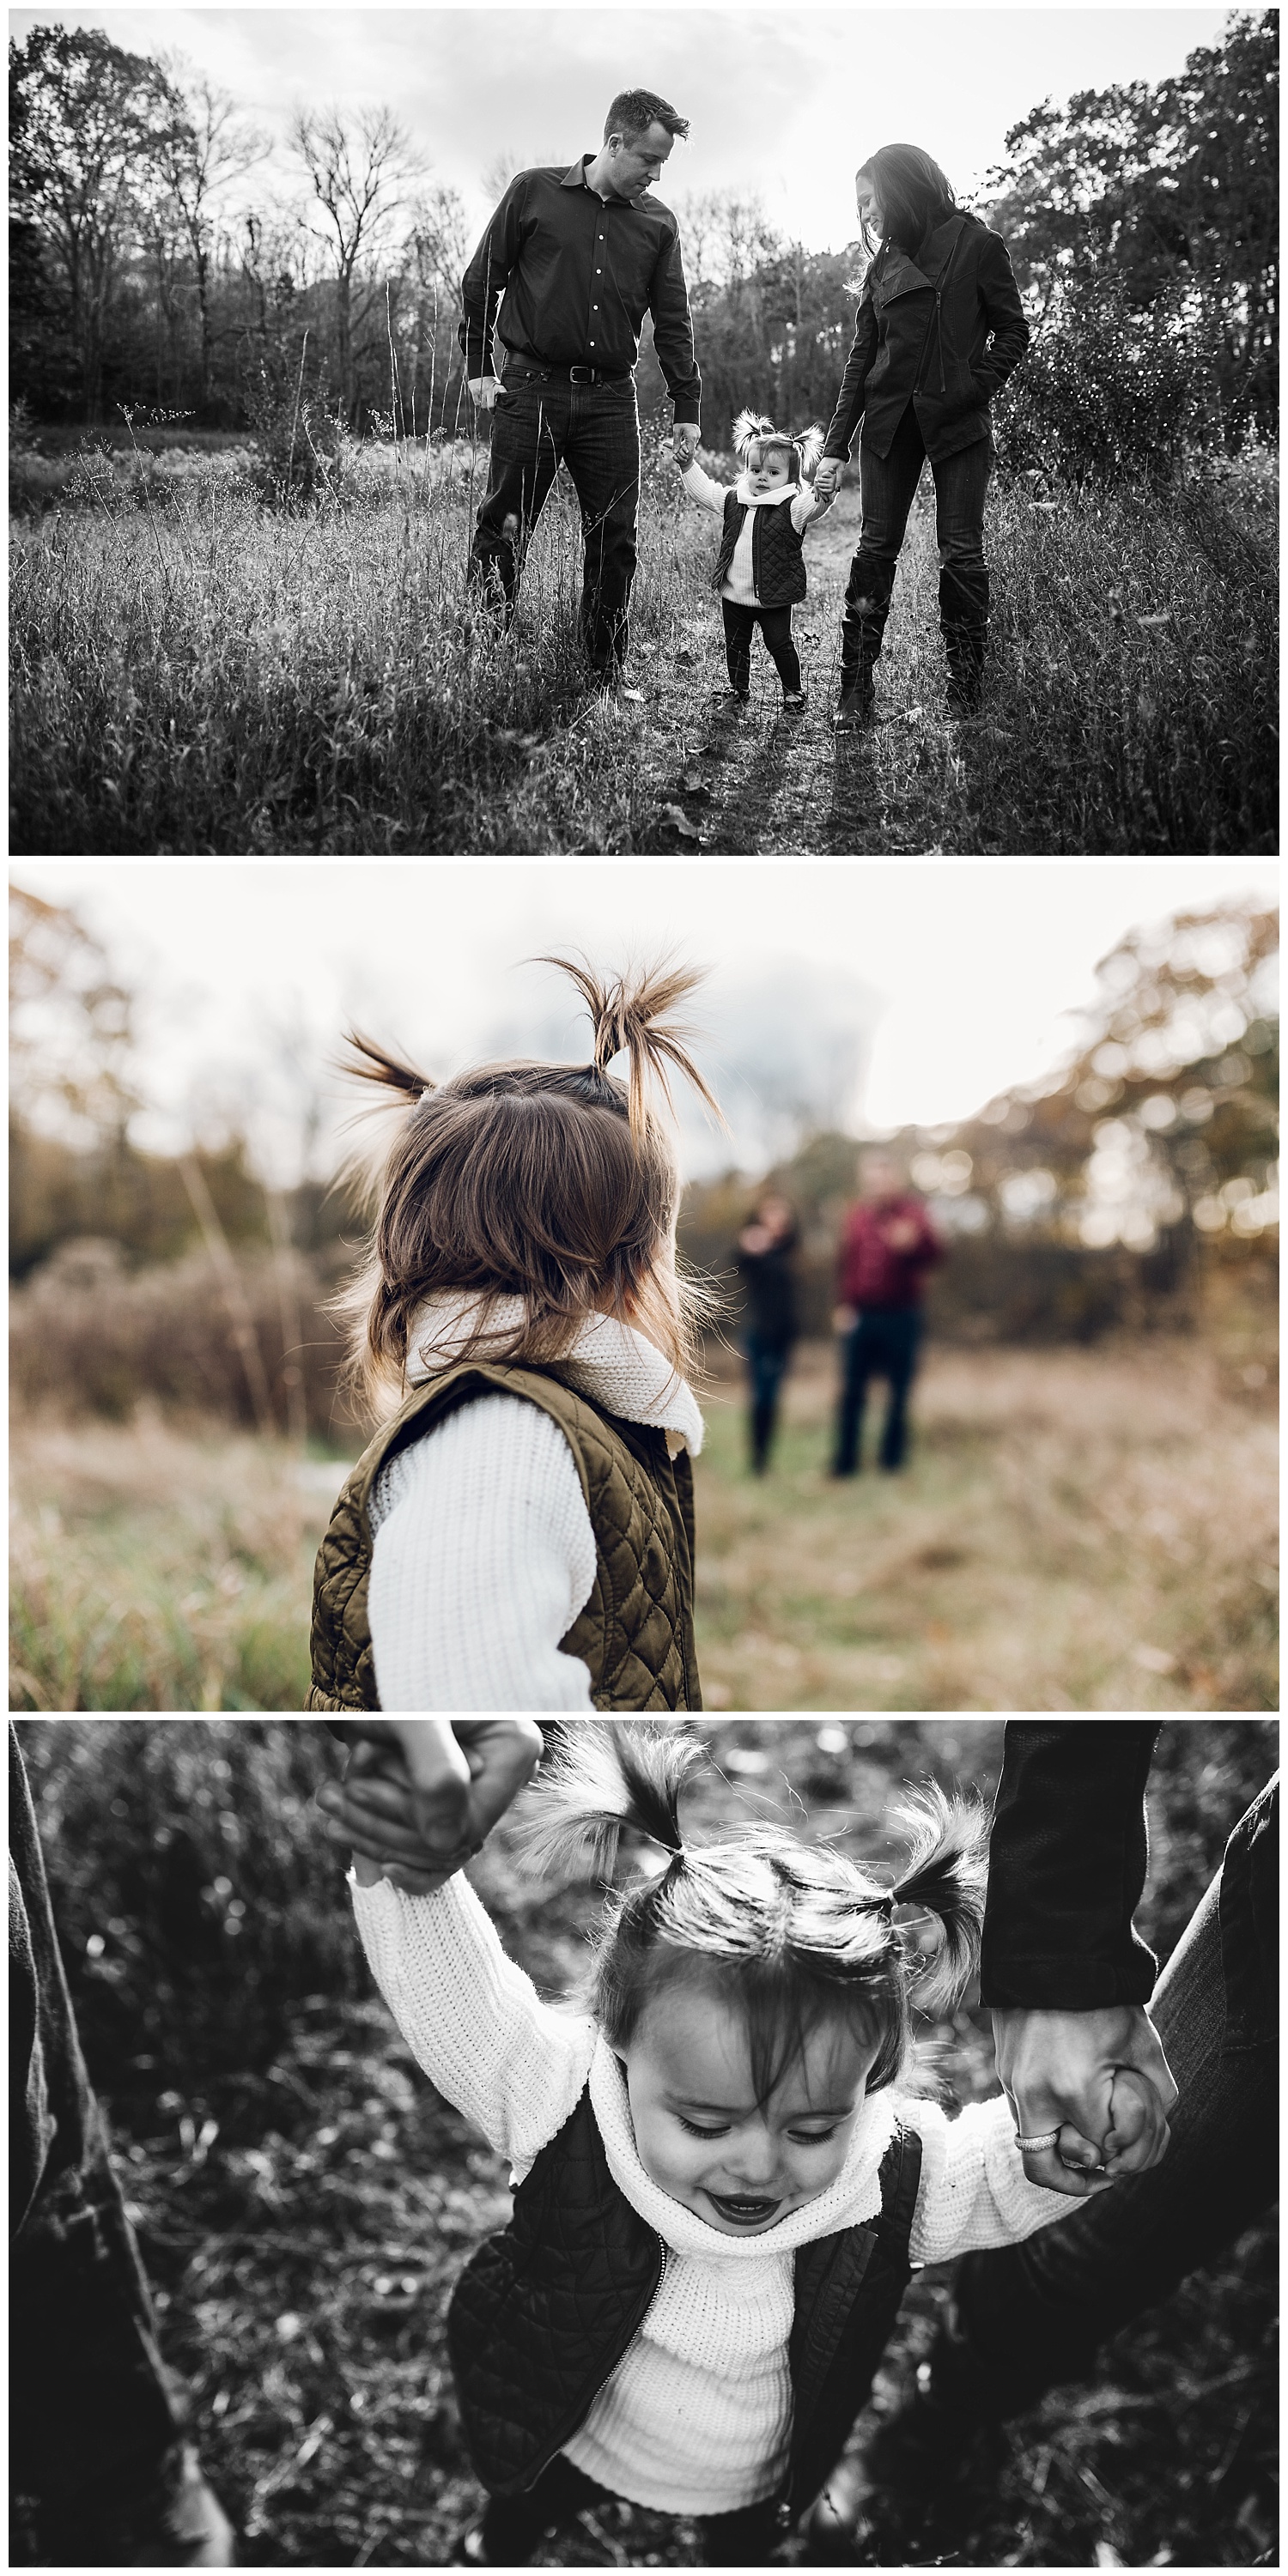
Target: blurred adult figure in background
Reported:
point(765, 1262)
point(97, 2449)
point(887, 1246)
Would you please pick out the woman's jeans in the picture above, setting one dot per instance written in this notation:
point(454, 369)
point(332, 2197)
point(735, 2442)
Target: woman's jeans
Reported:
point(766, 1368)
point(884, 1343)
point(541, 422)
point(1028, 2316)
point(92, 2416)
point(887, 486)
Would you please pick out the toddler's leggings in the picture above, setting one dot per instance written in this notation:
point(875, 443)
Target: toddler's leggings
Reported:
point(514, 2526)
point(776, 626)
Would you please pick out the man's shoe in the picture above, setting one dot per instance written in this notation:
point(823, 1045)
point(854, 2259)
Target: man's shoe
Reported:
point(857, 706)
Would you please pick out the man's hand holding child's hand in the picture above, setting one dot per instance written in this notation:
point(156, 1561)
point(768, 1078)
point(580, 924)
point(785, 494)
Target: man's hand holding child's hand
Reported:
point(420, 1795)
point(684, 443)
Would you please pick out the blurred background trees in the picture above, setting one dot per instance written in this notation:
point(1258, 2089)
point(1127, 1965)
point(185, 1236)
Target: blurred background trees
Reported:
point(1137, 1188)
point(149, 269)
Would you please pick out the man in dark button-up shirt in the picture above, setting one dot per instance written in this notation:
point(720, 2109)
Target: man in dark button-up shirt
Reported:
point(575, 259)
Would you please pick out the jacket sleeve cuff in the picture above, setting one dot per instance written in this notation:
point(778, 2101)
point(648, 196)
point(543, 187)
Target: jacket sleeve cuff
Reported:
point(1067, 1984)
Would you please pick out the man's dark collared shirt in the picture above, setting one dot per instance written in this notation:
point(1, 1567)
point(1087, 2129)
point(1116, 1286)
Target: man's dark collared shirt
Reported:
point(576, 277)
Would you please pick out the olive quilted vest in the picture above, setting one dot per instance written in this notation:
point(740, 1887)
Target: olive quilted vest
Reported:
point(635, 1633)
point(542, 2314)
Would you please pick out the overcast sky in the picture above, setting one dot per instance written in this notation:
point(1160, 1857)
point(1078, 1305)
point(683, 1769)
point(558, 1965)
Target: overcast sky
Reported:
point(883, 993)
point(783, 101)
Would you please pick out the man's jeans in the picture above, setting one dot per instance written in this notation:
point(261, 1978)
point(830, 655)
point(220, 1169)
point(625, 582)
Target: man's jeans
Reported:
point(884, 1343)
point(1028, 2316)
point(887, 486)
point(540, 422)
point(91, 2412)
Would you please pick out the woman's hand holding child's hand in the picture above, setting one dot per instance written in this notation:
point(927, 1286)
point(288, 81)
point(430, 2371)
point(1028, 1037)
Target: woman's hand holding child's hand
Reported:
point(420, 1796)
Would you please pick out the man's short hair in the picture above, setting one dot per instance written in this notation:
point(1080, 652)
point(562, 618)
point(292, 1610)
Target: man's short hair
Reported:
point(634, 110)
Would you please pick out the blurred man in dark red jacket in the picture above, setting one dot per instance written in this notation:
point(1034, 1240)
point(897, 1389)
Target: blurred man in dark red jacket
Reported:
point(887, 1246)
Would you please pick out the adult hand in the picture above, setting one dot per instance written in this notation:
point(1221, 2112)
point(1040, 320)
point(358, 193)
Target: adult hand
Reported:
point(424, 1793)
point(1059, 2068)
point(684, 443)
point(484, 391)
point(827, 476)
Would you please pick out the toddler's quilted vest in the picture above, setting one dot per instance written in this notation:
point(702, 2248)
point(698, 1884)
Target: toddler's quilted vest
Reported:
point(635, 1633)
point(777, 551)
point(542, 2314)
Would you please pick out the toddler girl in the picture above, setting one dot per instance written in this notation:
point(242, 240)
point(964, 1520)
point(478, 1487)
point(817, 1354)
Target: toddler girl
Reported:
point(519, 1533)
point(760, 568)
point(720, 2186)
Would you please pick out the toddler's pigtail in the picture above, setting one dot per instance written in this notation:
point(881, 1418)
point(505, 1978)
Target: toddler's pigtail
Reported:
point(748, 427)
point(809, 448)
point(606, 1776)
point(630, 1013)
point(947, 1872)
point(367, 1062)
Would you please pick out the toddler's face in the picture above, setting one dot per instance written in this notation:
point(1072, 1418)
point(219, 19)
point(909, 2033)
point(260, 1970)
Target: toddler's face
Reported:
point(700, 2133)
point(772, 472)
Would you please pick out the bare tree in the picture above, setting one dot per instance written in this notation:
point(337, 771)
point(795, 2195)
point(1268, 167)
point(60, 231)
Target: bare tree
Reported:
point(207, 147)
point(358, 166)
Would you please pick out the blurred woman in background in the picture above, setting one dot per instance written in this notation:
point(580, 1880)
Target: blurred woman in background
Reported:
point(765, 1260)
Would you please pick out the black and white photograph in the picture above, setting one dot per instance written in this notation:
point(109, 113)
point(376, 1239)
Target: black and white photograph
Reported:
point(643, 2143)
point(612, 432)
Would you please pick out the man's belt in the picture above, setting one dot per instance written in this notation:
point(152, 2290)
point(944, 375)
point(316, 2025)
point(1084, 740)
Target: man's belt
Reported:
point(568, 375)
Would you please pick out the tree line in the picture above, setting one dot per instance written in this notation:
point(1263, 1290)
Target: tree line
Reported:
point(1142, 221)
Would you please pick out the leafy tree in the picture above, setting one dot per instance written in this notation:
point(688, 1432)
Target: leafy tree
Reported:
point(87, 123)
point(1172, 190)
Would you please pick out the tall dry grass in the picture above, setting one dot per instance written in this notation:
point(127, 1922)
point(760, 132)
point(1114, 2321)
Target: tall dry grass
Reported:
point(1077, 1530)
point(192, 672)
point(214, 676)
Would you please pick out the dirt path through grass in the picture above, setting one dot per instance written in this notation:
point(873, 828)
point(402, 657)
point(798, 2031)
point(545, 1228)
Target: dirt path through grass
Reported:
point(765, 782)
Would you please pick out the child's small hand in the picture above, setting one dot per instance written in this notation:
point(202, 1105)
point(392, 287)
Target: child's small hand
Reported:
point(827, 477)
point(1138, 2136)
point(420, 1795)
point(684, 441)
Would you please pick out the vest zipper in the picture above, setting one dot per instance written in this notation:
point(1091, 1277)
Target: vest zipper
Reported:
point(575, 2421)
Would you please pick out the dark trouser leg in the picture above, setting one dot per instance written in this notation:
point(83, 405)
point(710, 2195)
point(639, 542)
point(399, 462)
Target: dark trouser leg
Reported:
point(1028, 2316)
point(858, 1363)
point(961, 482)
point(528, 429)
point(887, 485)
point(515, 2526)
point(739, 627)
point(766, 1362)
point(742, 2539)
point(603, 457)
point(93, 2422)
point(776, 627)
point(901, 1337)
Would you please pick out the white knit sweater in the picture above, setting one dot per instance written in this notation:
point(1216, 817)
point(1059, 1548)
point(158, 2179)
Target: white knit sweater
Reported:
point(697, 2417)
point(484, 1551)
point(803, 502)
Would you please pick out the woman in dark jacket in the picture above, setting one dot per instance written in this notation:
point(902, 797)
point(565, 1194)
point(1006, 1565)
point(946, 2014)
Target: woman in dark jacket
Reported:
point(938, 331)
point(765, 1260)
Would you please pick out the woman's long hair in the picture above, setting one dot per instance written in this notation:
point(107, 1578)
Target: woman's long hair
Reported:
point(551, 1184)
point(912, 191)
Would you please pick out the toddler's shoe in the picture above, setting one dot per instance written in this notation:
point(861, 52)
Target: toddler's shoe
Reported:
point(794, 702)
point(729, 702)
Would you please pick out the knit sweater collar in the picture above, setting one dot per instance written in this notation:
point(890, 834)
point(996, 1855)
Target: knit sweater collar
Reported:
point(850, 2201)
point(763, 500)
point(609, 1361)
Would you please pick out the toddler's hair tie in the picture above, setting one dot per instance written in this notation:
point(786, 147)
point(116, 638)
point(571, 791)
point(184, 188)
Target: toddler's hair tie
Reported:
point(884, 1906)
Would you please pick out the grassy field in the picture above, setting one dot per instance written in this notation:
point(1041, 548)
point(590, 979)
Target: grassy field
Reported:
point(1077, 1530)
point(304, 2200)
point(192, 673)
